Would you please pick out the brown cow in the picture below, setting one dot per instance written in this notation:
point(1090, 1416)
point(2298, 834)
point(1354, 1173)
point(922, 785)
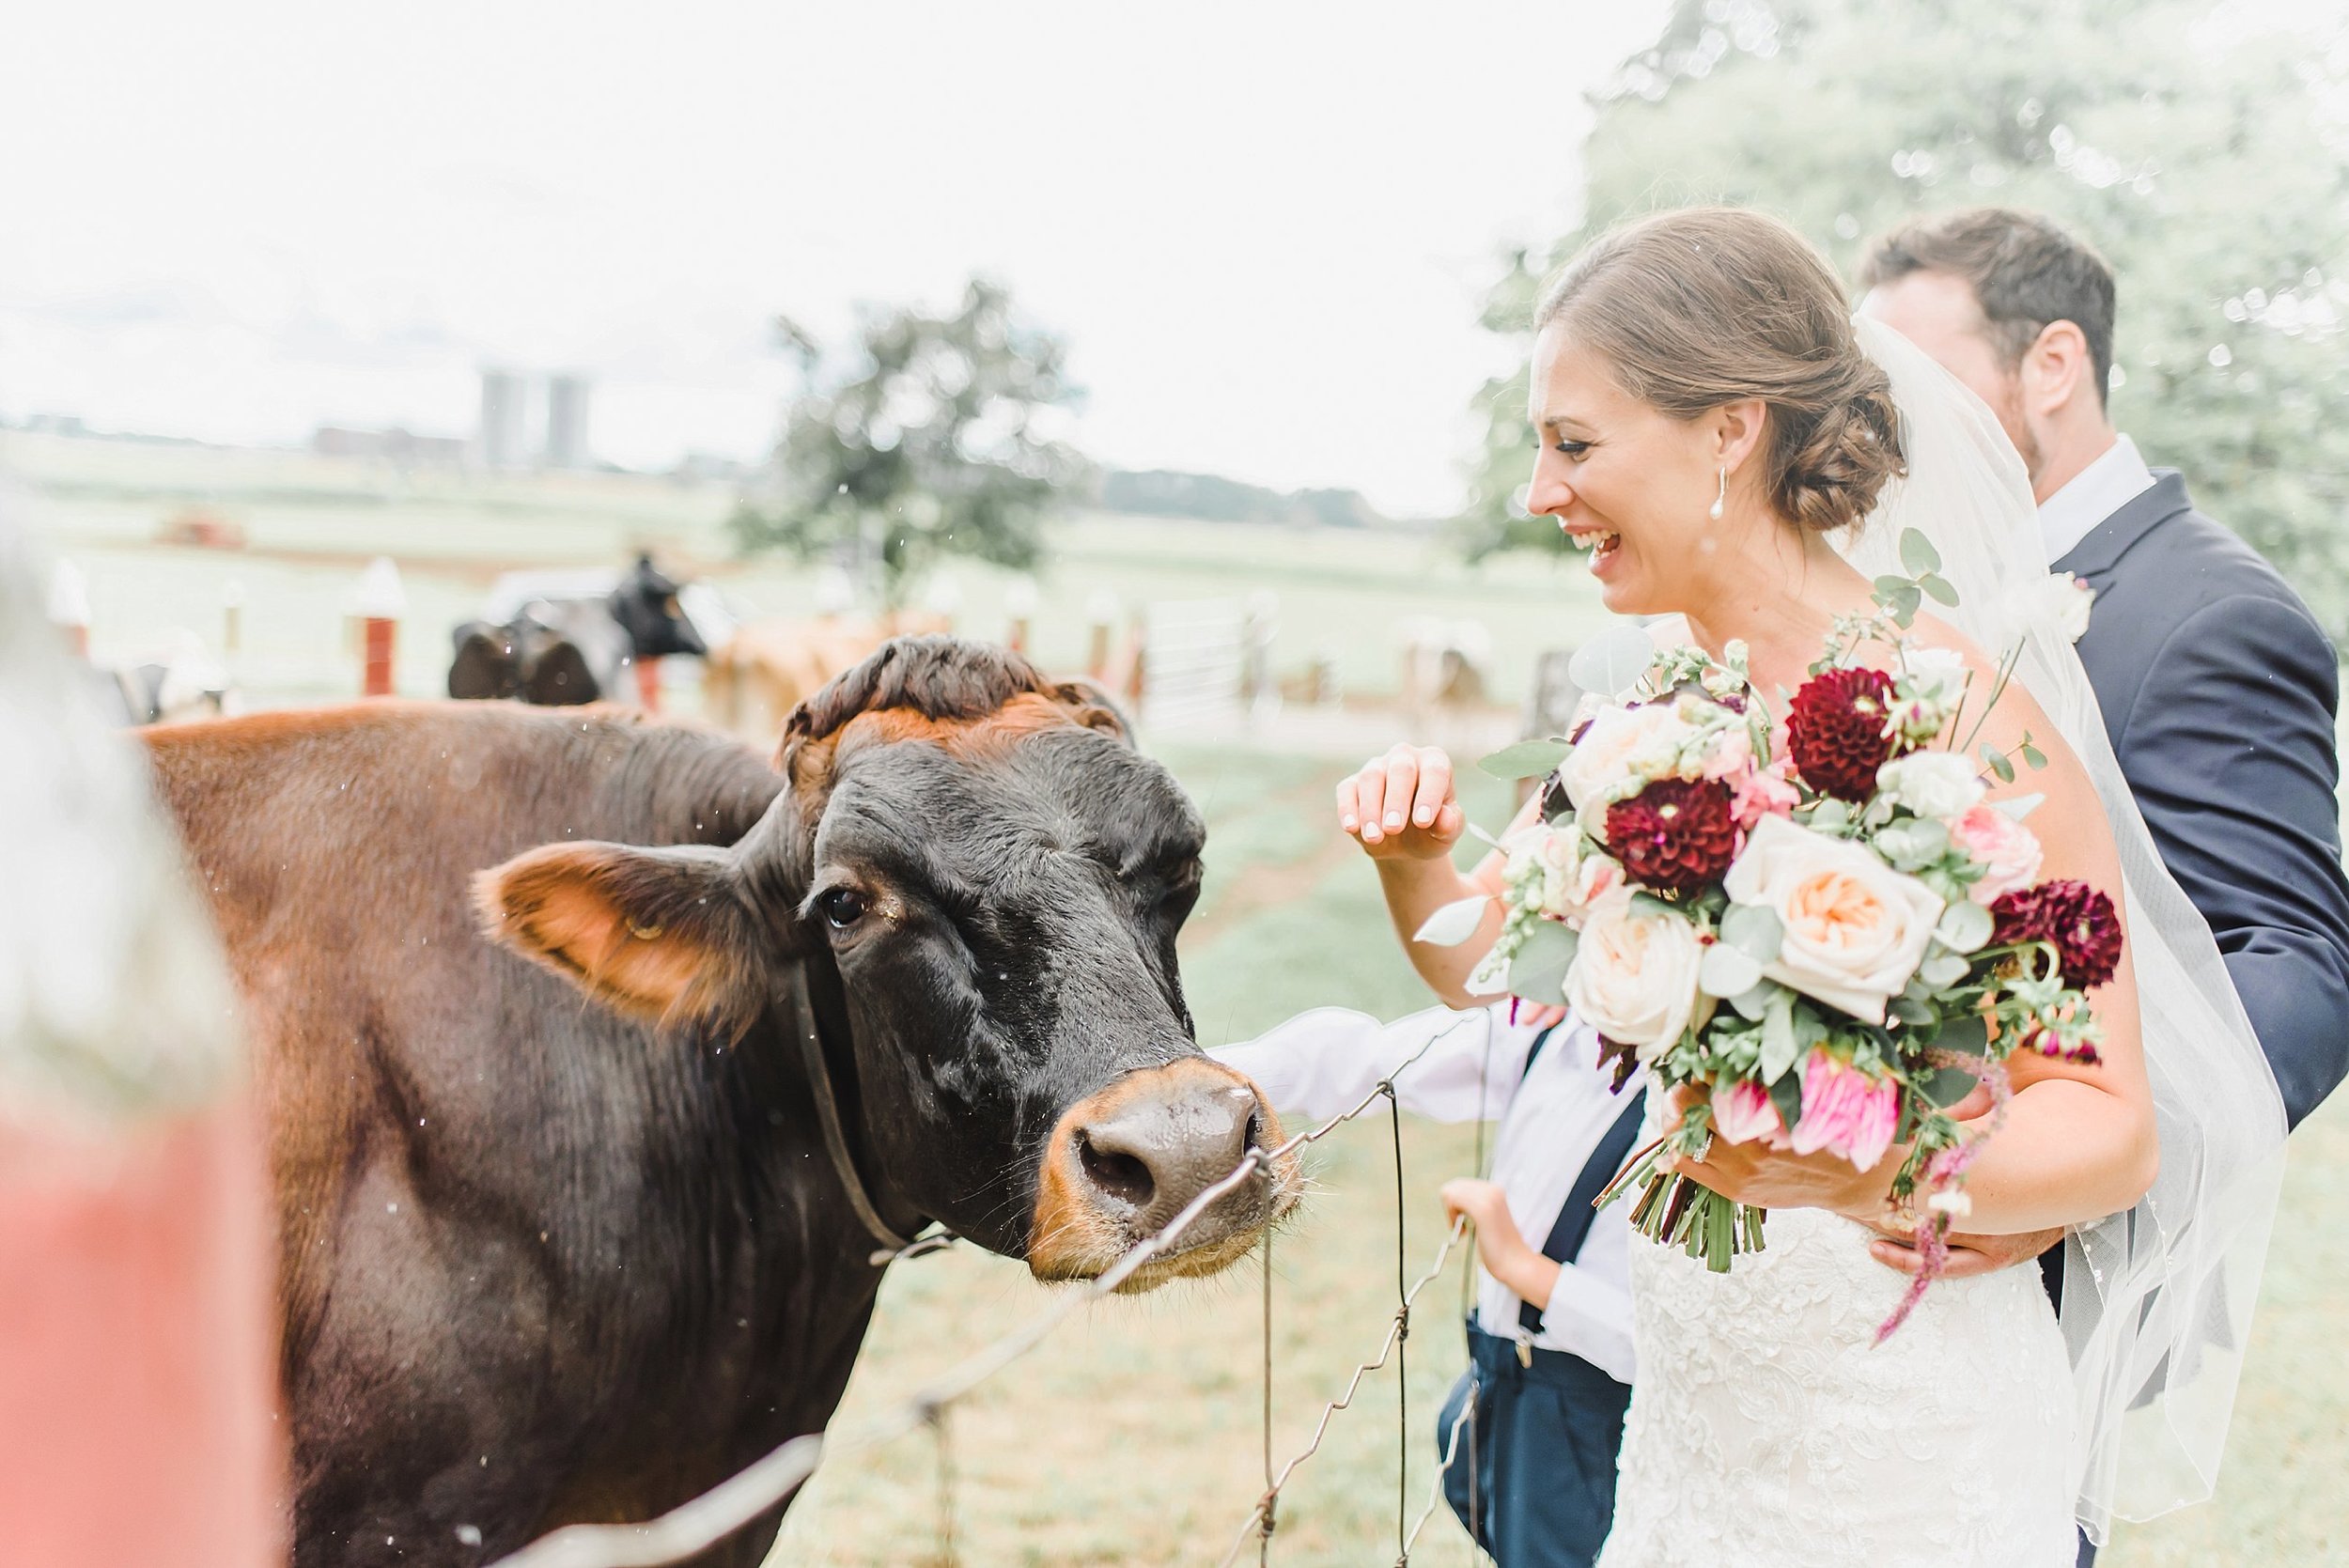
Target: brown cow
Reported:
point(546, 1261)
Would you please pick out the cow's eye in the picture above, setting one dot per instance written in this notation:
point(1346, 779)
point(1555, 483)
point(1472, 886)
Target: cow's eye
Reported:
point(843, 907)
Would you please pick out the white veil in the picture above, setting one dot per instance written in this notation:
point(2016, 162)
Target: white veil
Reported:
point(2156, 1302)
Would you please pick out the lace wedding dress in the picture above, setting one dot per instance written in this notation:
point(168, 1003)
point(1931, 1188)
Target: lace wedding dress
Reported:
point(1766, 1430)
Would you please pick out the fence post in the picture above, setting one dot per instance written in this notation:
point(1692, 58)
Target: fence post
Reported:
point(1019, 601)
point(1101, 612)
point(69, 606)
point(380, 602)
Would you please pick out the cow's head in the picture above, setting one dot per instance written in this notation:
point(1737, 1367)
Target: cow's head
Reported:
point(998, 876)
point(645, 605)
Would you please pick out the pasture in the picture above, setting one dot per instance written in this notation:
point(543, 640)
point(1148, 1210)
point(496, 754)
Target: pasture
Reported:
point(1132, 1437)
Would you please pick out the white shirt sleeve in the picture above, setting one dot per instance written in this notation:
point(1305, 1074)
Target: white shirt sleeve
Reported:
point(1325, 1062)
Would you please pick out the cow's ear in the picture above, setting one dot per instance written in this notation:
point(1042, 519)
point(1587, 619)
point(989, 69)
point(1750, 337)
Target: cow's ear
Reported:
point(662, 935)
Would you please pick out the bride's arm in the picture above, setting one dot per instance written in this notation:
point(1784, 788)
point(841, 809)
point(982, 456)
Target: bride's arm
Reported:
point(2079, 1140)
point(1402, 808)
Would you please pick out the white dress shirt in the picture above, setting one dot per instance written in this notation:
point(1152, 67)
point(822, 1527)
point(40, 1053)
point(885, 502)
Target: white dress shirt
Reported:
point(1321, 1063)
point(2093, 494)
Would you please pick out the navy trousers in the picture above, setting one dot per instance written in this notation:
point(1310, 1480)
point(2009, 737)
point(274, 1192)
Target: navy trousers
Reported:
point(1545, 1440)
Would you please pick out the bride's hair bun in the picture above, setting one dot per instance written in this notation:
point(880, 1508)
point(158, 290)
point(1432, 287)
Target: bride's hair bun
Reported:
point(1709, 305)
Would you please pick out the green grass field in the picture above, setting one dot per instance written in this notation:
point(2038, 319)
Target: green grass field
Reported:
point(1132, 1437)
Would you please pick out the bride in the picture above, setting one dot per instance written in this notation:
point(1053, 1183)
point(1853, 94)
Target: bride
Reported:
point(1736, 454)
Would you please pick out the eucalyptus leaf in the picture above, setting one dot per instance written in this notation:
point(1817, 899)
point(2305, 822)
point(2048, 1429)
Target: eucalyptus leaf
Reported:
point(2019, 806)
point(2033, 756)
point(1966, 1034)
point(1779, 1048)
point(1918, 554)
point(1611, 661)
point(1995, 761)
point(1726, 971)
point(1455, 924)
point(1538, 971)
point(1942, 969)
point(1911, 1012)
point(1786, 1095)
point(1648, 904)
point(1965, 926)
point(1938, 588)
point(1830, 815)
point(1526, 759)
point(1754, 1003)
point(1754, 930)
point(1949, 1085)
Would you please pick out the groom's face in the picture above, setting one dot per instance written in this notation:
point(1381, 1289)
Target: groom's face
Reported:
point(1939, 313)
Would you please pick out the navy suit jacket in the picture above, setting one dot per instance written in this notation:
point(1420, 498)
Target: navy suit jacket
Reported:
point(2220, 691)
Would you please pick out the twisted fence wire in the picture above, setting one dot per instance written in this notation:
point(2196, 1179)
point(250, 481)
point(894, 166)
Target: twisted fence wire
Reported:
point(701, 1523)
point(1465, 1419)
point(1264, 1510)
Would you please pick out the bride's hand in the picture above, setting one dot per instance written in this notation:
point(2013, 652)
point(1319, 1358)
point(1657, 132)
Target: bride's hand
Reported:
point(1770, 1178)
point(1401, 806)
point(1969, 1255)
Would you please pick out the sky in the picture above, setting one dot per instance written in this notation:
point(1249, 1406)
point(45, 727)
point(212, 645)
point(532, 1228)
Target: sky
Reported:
point(1263, 228)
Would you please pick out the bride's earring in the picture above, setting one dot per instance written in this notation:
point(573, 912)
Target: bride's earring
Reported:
point(1714, 512)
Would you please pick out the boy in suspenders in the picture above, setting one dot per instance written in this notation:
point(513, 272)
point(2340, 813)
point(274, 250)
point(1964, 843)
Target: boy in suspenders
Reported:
point(1551, 1342)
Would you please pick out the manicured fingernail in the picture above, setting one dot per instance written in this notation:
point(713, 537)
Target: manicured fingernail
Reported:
point(1346, 822)
point(1422, 816)
point(1394, 821)
point(1370, 832)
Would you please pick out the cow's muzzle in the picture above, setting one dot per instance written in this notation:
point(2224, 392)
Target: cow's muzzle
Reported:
point(1126, 1161)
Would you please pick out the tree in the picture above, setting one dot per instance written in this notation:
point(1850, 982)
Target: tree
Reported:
point(2203, 157)
point(932, 437)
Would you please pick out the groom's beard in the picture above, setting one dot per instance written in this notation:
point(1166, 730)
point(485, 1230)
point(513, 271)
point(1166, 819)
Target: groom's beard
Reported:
point(2009, 412)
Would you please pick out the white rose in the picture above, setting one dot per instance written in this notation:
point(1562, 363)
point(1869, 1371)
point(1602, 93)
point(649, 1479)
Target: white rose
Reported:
point(2075, 609)
point(1937, 674)
point(2059, 598)
point(1576, 873)
point(1623, 744)
point(1932, 784)
point(1854, 929)
point(1635, 976)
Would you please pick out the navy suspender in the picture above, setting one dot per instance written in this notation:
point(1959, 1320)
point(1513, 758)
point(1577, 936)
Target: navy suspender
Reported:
point(1574, 1220)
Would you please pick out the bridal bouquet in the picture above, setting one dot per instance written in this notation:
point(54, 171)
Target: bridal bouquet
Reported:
point(1838, 943)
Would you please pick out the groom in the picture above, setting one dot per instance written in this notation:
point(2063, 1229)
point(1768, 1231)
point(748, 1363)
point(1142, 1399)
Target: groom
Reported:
point(2218, 686)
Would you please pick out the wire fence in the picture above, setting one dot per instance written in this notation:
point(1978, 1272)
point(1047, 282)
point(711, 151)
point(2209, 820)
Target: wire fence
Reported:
point(701, 1523)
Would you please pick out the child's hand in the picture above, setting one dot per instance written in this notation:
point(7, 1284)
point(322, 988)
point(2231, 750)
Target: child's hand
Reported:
point(1497, 1241)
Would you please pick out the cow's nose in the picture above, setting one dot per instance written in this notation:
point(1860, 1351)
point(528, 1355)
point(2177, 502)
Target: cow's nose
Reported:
point(1157, 1152)
point(1125, 1162)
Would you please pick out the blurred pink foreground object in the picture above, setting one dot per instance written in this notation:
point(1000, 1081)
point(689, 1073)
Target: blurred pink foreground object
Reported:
point(137, 1359)
point(138, 1407)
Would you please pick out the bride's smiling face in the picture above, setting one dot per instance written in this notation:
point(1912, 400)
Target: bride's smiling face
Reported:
point(1628, 483)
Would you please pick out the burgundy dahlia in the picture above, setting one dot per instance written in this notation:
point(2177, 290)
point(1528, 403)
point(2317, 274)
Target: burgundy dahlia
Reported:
point(1676, 835)
point(1835, 731)
point(2079, 919)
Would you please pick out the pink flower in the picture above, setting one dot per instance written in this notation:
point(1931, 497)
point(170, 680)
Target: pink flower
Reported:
point(1764, 792)
point(2007, 851)
point(1846, 1112)
point(1732, 754)
point(1744, 1112)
